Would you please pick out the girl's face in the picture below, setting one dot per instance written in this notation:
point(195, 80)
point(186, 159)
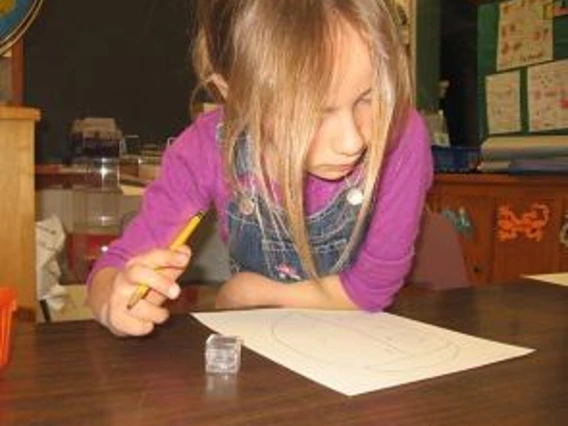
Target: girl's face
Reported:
point(345, 128)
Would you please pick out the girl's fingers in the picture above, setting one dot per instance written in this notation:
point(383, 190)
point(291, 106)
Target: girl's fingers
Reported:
point(162, 258)
point(157, 269)
point(172, 273)
point(138, 321)
point(148, 312)
point(138, 273)
point(132, 326)
point(122, 323)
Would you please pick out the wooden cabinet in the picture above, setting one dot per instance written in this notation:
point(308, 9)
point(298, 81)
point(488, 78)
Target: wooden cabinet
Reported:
point(17, 209)
point(509, 225)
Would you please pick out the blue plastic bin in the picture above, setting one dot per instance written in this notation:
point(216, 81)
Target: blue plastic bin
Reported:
point(455, 159)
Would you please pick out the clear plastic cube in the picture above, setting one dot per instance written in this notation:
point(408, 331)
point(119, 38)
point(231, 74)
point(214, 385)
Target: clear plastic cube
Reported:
point(222, 354)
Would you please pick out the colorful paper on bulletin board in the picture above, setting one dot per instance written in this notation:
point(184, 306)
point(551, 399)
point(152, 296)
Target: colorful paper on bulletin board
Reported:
point(15, 18)
point(488, 56)
point(547, 88)
point(525, 33)
point(504, 102)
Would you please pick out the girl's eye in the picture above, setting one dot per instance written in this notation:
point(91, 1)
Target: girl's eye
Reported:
point(363, 104)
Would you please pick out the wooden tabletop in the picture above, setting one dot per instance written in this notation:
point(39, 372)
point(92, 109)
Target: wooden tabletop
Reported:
point(76, 373)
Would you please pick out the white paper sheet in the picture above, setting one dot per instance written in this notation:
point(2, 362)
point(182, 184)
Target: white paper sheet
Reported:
point(559, 278)
point(357, 352)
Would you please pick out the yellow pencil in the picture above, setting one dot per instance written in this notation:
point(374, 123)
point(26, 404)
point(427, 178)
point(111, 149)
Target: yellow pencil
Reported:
point(142, 289)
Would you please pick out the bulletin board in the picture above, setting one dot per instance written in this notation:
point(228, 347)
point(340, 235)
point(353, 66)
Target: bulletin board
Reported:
point(523, 68)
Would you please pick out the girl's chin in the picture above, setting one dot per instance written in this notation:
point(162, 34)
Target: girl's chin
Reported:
point(331, 175)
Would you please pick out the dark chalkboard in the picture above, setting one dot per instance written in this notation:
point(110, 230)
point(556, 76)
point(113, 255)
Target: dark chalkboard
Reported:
point(127, 59)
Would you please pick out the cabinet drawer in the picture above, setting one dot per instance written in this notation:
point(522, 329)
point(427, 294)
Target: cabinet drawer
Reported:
point(516, 222)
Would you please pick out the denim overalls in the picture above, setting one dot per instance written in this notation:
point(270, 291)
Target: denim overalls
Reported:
point(267, 248)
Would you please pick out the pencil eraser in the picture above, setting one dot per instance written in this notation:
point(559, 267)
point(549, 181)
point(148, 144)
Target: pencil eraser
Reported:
point(222, 354)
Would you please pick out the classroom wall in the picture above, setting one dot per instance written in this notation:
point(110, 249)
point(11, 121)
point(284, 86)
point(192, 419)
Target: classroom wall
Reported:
point(126, 59)
point(130, 60)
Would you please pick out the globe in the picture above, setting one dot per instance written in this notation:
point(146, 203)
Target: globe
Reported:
point(15, 18)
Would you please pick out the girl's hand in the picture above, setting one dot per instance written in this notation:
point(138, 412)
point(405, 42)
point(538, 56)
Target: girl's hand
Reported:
point(158, 269)
point(248, 289)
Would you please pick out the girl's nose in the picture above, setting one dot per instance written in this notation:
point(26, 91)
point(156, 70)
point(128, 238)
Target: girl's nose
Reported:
point(350, 140)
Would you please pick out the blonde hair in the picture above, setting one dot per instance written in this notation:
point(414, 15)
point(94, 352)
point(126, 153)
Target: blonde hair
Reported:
point(276, 57)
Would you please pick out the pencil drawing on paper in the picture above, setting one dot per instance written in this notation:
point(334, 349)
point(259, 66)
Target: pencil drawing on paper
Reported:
point(355, 352)
point(388, 347)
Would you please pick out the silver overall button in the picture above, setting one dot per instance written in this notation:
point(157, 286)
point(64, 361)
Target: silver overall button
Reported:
point(246, 205)
point(354, 196)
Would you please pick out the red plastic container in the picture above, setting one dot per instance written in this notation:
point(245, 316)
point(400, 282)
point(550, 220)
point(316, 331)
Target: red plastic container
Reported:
point(7, 309)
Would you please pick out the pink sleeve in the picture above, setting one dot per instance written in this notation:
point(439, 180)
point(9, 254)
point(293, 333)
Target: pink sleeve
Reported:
point(188, 174)
point(386, 254)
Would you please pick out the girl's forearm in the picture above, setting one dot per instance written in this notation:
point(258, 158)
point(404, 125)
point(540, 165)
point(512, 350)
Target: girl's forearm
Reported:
point(327, 293)
point(248, 289)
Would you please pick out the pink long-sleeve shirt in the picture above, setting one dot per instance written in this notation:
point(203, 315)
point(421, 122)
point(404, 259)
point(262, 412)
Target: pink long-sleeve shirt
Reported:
point(191, 179)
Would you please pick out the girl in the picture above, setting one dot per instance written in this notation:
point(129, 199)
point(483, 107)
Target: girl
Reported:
point(316, 164)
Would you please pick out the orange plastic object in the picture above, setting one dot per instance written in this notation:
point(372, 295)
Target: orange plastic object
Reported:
point(7, 309)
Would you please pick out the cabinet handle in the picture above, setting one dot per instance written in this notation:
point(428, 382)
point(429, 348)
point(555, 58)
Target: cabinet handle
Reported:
point(477, 269)
point(564, 232)
point(460, 220)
